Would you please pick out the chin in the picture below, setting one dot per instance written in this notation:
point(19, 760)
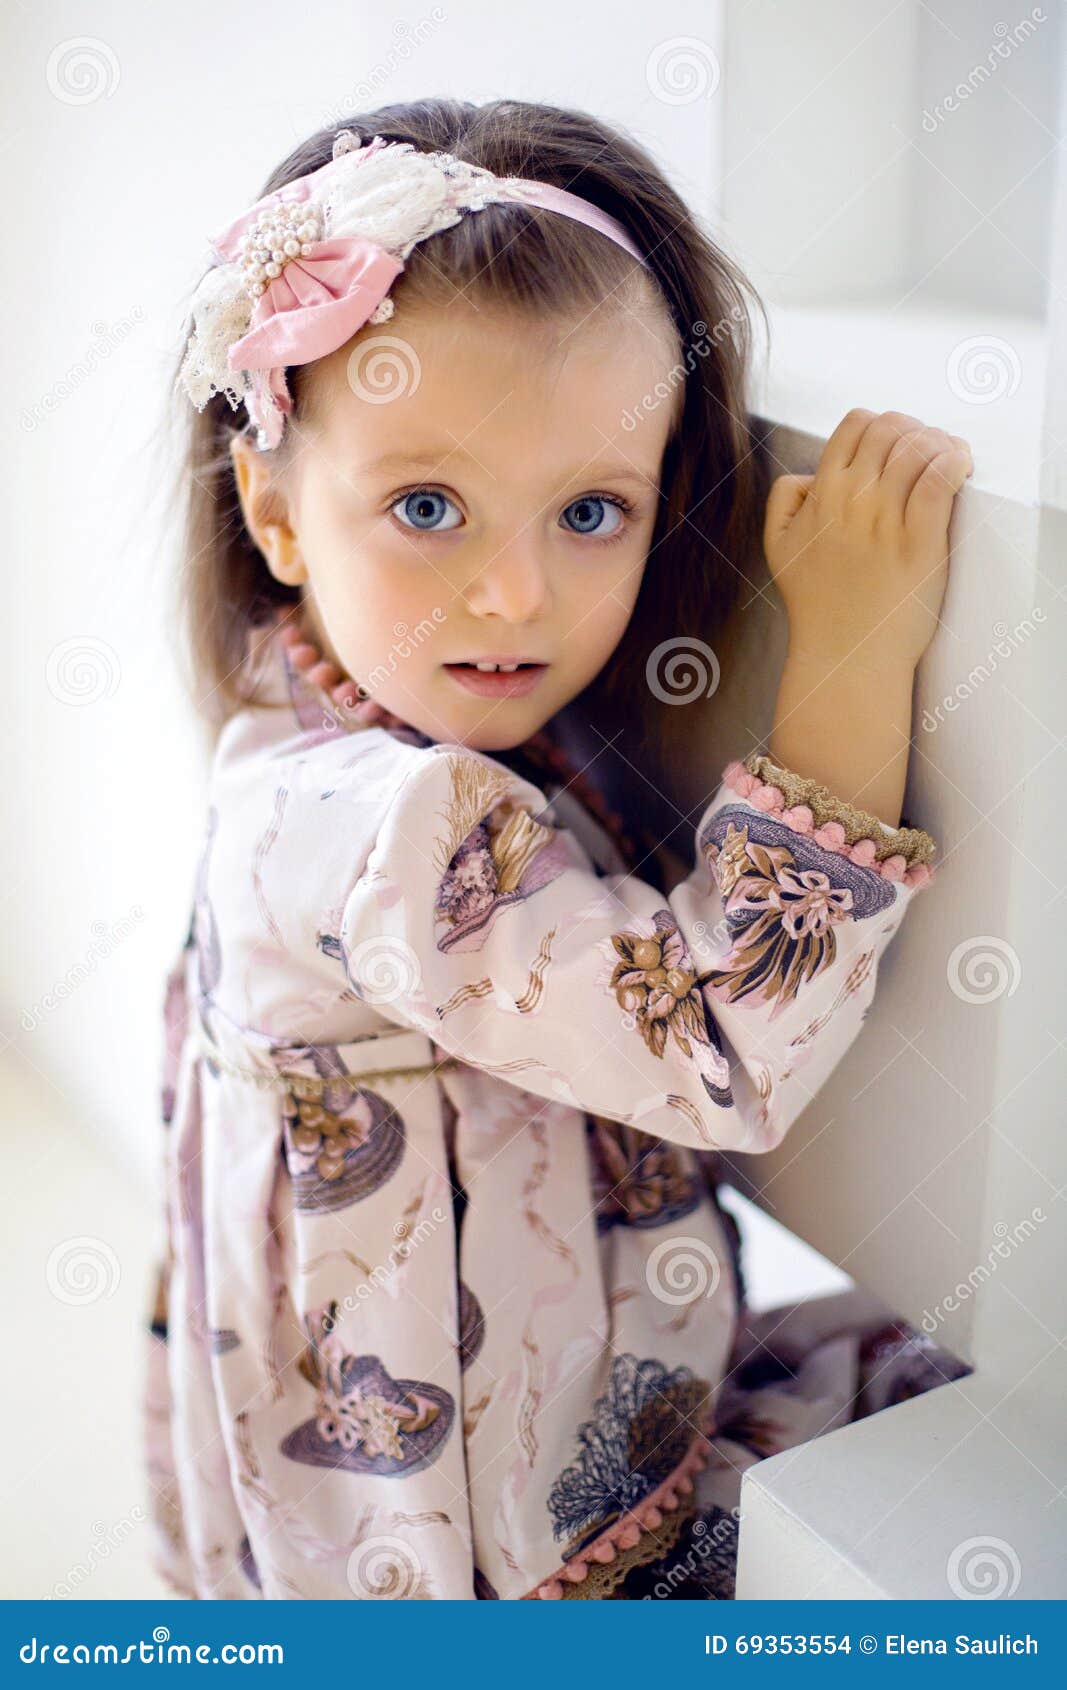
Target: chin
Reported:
point(502, 730)
point(506, 733)
point(494, 740)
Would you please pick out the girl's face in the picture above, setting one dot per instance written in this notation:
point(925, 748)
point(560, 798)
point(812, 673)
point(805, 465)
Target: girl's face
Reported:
point(482, 503)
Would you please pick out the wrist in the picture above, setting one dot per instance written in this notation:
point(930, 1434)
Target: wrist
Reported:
point(871, 658)
point(846, 722)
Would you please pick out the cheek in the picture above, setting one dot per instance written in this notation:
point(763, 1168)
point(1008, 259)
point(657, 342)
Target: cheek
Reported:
point(375, 612)
point(602, 600)
point(366, 589)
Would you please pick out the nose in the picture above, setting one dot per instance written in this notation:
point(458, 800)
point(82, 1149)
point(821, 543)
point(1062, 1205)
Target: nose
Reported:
point(512, 583)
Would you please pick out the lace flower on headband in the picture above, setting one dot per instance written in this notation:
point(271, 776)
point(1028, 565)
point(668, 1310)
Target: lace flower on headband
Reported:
point(304, 268)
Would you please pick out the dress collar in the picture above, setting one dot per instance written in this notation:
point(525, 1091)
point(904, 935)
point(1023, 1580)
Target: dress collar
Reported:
point(289, 670)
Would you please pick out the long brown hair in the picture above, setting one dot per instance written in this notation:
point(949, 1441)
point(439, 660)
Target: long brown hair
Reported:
point(713, 481)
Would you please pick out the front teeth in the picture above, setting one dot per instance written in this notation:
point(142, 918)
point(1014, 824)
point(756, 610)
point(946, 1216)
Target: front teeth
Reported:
point(492, 667)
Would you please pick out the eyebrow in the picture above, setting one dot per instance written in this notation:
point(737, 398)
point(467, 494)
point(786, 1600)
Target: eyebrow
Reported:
point(394, 461)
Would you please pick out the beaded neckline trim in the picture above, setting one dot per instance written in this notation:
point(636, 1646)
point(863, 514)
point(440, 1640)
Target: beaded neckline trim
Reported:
point(803, 804)
point(348, 698)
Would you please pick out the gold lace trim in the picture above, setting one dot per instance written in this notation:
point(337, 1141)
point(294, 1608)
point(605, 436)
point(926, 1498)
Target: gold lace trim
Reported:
point(600, 1581)
point(313, 1085)
point(914, 844)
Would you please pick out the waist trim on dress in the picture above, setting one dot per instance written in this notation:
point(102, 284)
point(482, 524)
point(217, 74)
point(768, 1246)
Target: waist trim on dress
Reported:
point(303, 1084)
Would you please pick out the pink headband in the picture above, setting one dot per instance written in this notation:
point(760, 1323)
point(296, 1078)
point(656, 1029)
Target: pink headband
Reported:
point(298, 273)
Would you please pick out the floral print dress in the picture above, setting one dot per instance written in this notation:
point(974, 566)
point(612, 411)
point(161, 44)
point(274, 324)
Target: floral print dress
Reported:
point(446, 1300)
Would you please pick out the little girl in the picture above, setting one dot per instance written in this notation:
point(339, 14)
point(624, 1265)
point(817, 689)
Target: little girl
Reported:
point(447, 1298)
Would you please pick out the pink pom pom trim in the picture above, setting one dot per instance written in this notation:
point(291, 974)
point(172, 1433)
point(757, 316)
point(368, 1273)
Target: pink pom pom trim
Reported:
point(799, 818)
point(831, 835)
point(769, 799)
point(626, 1532)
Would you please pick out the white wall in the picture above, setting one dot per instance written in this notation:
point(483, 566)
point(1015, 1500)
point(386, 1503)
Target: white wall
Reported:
point(934, 1137)
point(885, 149)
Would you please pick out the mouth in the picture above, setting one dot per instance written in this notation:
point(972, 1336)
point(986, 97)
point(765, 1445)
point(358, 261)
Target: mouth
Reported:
point(489, 679)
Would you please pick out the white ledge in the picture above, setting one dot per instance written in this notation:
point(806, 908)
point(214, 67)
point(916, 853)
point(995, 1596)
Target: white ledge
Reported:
point(914, 357)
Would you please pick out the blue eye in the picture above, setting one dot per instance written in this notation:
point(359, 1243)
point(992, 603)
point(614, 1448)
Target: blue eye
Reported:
point(426, 510)
point(423, 510)
point(589, 512)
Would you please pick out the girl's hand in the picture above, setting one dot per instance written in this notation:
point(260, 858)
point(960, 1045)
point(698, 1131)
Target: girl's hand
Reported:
point(859, 550)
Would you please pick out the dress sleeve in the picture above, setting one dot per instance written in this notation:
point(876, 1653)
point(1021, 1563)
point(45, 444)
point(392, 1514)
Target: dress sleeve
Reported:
point(709, 1016)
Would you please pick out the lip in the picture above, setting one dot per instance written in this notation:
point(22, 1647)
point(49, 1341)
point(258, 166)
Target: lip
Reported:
point(498, 657)
point(488, 683)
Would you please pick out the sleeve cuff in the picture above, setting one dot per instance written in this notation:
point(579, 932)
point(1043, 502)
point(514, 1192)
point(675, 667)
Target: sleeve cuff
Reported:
point(901, 853)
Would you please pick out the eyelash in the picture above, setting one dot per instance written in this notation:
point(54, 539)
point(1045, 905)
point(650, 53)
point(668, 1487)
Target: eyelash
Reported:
point(623, 505)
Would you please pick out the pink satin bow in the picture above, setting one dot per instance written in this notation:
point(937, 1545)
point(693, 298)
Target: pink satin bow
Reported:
point(317, 303)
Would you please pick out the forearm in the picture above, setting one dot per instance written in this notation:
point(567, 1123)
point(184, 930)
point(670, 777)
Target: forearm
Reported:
point(847, 725)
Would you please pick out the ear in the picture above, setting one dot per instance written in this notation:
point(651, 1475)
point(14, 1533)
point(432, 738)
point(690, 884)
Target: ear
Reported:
point(266, 512)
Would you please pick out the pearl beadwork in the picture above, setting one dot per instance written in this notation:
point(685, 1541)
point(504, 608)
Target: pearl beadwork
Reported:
point(280, 233)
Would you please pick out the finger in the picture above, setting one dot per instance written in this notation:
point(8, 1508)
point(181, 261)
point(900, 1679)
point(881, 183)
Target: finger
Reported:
point(841, 446)
point(909, 458)
point(879, 441)
point(932, 495)
point(786, 496)
point(966, 445)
